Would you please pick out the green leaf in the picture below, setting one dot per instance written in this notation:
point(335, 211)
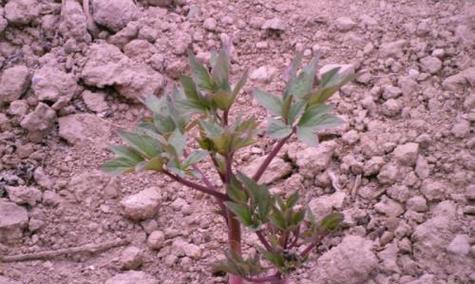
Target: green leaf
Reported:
point(313, 115)
point(145, 145)
point(201, 74)
point(241, 211)
point(303, 84)
point(260, 196)
point(118, 166)
point(194, 99)
point(296, 110)
point(307, 136)
point(278, 220)
point(298, 217)
point(236, 193)
point(277, 129)
point(272, 103)
point(294, 197)
point(223, 99)
point(211, 128)
point(154, 104)
point(178, 141)
point(194, 157)
point(240, 84)
point(126, 152)
point(332, 221)
point(155, 164)
point(220, 70)
point(329, 122)
point(331, 82)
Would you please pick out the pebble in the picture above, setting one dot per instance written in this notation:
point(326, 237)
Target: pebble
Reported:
point(131, 258)
point(156, 240)
point(460, 245)
point(417, 203)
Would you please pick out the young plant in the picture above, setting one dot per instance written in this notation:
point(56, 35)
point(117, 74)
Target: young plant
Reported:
point(193, 123)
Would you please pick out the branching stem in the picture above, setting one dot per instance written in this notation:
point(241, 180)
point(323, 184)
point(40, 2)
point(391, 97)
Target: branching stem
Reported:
point(196, 186)
point(263, 240)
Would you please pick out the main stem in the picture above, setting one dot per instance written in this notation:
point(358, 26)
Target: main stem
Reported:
point(234, 239)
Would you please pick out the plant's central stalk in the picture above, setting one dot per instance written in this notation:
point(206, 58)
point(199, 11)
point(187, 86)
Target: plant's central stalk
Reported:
point(234, 239)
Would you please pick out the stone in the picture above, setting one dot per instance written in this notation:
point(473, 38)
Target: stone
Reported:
point(344, 24)
point(14, 81)
point(408, 85)
point(274, 24)
point(114, 14)
point(24, 194)
point(373, 166)
point(431, 64)
point(389, 258)
point(106, 65)
point(277, 169)
point(132, 277)
point(182, 248)
point(13, 219)
point(50, 84)
point(140, 50)
point(73, 21)
point(84, 128)
point(407, 153)
point(351, 137)
point(125, 35)
point(391, 108)
point(18, 108)
point(156, 240)
point(392, 49)
point(51, 198)
point(345, 69)
point(417, 203)
point(389, 207)
point(400, 193)
point(95, 101)
point(324, 205)
point(41, 119)
point(460, 245)
point(142, 205)
point(391, 92)
point(338, 264)
point(160, 3)
point(131, 258)
point(389, 174)
point(263, 74)
point(314, 160)
point(210, 24)
point(433, 189)
point(422, 167)
point(22, 12)
point(461, 129)
point(460, 80)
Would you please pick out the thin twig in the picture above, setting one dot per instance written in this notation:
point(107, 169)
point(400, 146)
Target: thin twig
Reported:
point(263, 240)
point(318, 238)
point(270, 157)
point(334, 180)
point(90, 248)
point(196, 186)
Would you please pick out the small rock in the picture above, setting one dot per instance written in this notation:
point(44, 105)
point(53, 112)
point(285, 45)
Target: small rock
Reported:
point(73, 22)
point(50, 84)
point(460, 80)
point(399, 192)
point(18, 108)
point(373, 166)
point(422, 167)
point(24, 194)
point(391, 92)
point(22, 12)
point(41, 119)
point(351, 137)
point(392, 49)
point(82, 185)
point(431, 64)
point(389, 174)
point(389, 207)
point(324, 205)
point(132, 277)
point(391, 108)
point(312, 161)
point(274, 24)
point(461, 129)
point(13, 219)
point(263, 74)
point(156, 240)
point(84, 128)
point(460, 245)
point(114, 14)
point(337, 265)
point(95, 101)
point(344, 24)
point(183, 248)
point(131, 258)
point(417, 203)
point(51, 198)
point(433, 190)
point(470, 192)
point(407, 154)
point(277, 169)
point(210, 24)
point(14, 82)
point(142, 205)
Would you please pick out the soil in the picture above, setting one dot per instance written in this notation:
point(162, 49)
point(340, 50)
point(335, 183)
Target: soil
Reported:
point(401, 169)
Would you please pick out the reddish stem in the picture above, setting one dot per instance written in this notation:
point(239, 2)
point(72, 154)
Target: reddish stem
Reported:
point(234, 239)
point(263, 240)
point(196, 186)
point(270, 157)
